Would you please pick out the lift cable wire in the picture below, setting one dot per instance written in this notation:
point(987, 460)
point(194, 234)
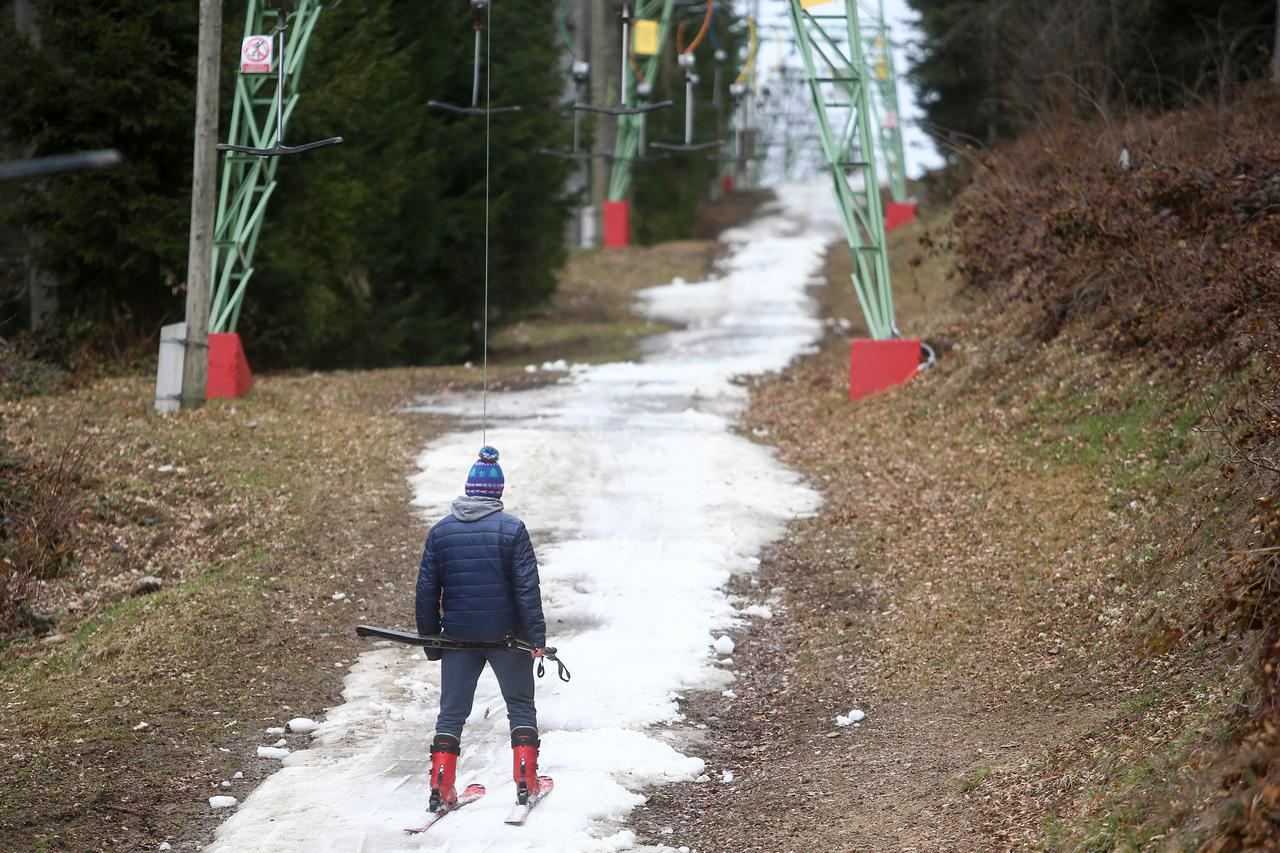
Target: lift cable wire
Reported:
point(488, 112)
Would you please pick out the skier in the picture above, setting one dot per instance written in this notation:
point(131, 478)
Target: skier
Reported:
point(478, 581)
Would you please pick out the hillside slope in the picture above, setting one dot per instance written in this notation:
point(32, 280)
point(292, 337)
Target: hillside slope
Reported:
point(1045, 570)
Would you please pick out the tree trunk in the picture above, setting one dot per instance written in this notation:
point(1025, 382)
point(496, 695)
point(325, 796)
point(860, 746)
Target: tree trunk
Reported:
point(1275, 51)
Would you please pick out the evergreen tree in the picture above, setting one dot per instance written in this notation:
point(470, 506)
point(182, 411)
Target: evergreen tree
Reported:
point(984, 69)
point(372, 252)
point(118, 75)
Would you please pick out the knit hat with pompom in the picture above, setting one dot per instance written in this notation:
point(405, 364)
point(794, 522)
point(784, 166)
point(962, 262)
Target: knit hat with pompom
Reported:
point(485, 479)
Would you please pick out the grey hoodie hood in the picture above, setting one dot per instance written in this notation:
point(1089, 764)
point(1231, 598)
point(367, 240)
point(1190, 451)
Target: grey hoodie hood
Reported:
point(474, 508)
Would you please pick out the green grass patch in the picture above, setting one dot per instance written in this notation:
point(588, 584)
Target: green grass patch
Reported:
point(974, 778)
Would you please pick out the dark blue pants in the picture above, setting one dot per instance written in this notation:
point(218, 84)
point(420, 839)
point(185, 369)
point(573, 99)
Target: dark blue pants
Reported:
point(459, 672)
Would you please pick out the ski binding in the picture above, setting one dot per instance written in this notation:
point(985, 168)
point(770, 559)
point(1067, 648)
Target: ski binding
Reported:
point(521, 811)
point(469, 795)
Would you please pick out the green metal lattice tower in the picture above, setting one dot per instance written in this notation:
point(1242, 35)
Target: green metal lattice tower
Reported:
point(840, 86)
point(628, 144)
point(248, 181)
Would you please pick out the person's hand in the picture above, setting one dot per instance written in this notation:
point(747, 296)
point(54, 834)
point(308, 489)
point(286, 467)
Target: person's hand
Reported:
point(537, 653)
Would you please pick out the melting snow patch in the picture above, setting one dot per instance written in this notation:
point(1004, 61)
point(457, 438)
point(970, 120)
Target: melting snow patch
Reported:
point(728, 694)
point(339, 596)
point(631, 539)
point(276, 730)
point(758, 610)
point(223, 802)
point(727, 778)
point(272, 752)
point(851, 719)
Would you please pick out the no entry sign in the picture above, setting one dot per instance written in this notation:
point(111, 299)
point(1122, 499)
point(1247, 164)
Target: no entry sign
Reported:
point(255, 55)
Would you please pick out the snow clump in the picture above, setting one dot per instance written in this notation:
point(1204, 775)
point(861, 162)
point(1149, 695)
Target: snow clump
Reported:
point(852, 718)
point(727, 777)
point(302, 725)
point(724, 645)
point(224, 802)
point(272, 752)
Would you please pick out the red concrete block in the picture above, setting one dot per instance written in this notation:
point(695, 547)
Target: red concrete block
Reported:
point(898, 213)
point(617, 225)
point(229, 374)
point(876, 365)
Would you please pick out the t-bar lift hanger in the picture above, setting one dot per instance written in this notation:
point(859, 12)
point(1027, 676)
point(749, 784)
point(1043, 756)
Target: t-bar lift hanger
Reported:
point(624, 108)
point(688, 62)
point(282, 7)
point(479, 14)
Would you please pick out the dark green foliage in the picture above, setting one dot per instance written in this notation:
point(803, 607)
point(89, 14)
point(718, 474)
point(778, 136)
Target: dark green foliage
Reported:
point(986, 69)
point(372, 252)
point(667, 192)
point(117, 77)
point(376, 254)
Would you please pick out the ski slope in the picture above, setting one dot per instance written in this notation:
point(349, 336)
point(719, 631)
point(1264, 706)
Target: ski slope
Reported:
point(642, 500)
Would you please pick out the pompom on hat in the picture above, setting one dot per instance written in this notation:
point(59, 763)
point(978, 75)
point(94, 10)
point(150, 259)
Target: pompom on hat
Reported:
point(485, 479)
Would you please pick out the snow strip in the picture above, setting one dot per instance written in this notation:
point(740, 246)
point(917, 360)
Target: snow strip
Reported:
point(642, 501)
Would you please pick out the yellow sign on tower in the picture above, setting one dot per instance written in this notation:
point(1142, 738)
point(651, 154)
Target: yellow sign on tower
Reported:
point(809, 4)
point(645, 42)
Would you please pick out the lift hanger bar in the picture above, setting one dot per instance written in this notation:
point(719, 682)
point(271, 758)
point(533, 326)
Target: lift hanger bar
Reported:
point(280, 149)
point(479, 13)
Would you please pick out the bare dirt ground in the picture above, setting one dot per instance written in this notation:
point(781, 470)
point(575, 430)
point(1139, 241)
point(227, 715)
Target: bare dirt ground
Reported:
point(274, 525)
point(975, 584)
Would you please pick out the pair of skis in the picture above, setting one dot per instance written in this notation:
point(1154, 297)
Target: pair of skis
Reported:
point(472, 793)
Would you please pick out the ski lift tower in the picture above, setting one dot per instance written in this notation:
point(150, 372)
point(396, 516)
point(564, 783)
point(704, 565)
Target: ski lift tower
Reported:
point(248, 181)
point(829, 37)
point(889, 121)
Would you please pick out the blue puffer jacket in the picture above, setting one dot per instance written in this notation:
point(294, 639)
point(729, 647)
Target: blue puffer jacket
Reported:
point(483, 575)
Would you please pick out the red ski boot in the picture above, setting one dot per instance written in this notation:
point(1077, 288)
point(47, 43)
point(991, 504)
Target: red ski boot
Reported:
point(445, 750)
point(531, 788)
point(524, 753)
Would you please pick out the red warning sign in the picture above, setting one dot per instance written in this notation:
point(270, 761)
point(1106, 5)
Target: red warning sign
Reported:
point(255, 55)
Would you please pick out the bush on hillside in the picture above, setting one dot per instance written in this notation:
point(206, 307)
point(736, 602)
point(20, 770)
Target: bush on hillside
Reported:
point(1160, 235)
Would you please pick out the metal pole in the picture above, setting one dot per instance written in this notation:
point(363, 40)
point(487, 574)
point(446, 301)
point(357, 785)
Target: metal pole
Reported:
point(603, 131)
point(624, 76)
point(475, 79)
point(688, 110)
point(282, 26)
point(204, 185)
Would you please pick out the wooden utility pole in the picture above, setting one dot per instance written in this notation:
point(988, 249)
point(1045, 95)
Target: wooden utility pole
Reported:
point(204, 185)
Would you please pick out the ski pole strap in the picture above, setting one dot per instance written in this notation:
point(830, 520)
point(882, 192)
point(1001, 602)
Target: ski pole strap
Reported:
point(511, 643)
point(548, 654)
point(562, 670)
